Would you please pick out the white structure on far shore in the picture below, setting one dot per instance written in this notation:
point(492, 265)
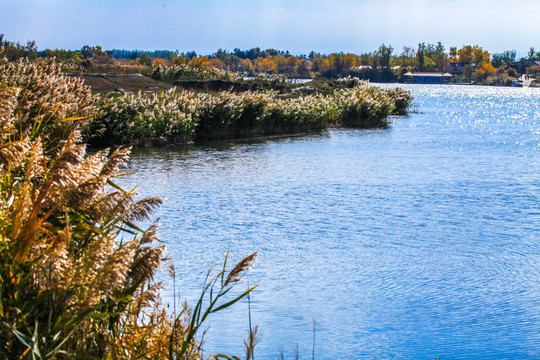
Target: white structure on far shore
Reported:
point(525, 80)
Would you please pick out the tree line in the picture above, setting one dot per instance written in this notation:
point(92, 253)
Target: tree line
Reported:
point(384, 64)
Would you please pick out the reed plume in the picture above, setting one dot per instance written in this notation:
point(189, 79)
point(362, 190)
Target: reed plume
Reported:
point(76, 269)
point(235, 275)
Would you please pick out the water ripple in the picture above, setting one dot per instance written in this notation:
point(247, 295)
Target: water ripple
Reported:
point(417, 241)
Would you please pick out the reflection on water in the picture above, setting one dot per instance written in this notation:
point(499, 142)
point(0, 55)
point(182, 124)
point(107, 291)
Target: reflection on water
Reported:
point(416, 241)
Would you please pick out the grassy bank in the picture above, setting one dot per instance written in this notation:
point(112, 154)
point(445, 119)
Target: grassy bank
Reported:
point(212, 104)
point(174, 117)
point(178, 116)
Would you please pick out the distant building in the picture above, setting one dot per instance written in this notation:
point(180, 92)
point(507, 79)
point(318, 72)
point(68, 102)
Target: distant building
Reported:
point(458, 68)
point(524, 81)
point(363, 68)
point(428, 78)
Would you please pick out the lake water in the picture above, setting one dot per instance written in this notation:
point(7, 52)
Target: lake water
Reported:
point(417, 241)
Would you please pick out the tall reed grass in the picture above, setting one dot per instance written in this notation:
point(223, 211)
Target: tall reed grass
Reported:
point(186, 73)
point(76, 269)
point(181, 116)
point(44, 92)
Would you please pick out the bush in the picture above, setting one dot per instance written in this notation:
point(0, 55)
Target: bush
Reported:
point(512, 73)
point(145, 59)
point(534, 72)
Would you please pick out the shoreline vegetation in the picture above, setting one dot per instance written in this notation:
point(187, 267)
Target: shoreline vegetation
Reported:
point(177, 116)
point(465, 65)
point(76, 266)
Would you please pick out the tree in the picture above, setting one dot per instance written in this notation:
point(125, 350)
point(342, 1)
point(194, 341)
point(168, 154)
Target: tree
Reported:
point(246, 65)
point(200, 62)
point(505, 58)
point(339, 65)
point(180, 59)
point(253, 53)
point(420, 56)
point(453, 54)
point(265, 65)
point(484, 70)
point(320, 65)
point(384, 53)
point(158, 61)
point(313, 55)
point(89, 52)
point(191, 54)
point(287, 65)
point(477, 60)
point(440, 57)
point(145, 59)
point(216, 64)
point(431, 57)
point(473, 54)
point(407, 57)
point(15, 50)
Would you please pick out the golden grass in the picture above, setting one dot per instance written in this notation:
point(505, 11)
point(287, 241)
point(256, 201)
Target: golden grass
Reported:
point(76, 270)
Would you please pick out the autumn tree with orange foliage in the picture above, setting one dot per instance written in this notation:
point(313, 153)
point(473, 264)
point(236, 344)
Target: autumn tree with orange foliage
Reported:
point(199, 62)
point(473, 54)
point(245, 66)
point(158, 61)
point(478, 56)
point(265, 65)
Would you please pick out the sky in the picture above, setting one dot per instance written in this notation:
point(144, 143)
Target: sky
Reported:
point(299, 26)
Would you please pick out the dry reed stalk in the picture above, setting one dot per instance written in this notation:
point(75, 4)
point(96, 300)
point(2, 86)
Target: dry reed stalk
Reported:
point(76, 271)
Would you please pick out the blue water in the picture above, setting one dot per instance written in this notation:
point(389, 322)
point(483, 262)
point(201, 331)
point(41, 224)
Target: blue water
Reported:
point(417, 241)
